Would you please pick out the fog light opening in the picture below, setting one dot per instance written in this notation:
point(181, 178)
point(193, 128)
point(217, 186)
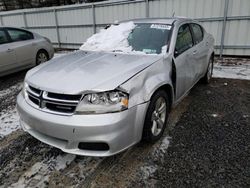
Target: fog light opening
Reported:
point(93, 146)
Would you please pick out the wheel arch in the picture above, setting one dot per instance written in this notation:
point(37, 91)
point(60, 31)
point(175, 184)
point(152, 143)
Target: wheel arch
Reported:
point(42, 50)
point(168, 89)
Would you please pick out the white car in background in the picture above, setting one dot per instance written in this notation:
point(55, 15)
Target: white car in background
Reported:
point(21, 49)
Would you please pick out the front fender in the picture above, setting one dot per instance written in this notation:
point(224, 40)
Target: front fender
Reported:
point(143, 85)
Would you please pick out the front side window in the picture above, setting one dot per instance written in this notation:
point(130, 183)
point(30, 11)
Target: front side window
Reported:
point(184, 39)
point(3, 37)
point(19, 35)
point(198, 33)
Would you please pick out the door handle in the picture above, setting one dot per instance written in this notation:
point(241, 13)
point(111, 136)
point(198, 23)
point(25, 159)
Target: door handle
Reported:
point(194, 52)
point(10, 50)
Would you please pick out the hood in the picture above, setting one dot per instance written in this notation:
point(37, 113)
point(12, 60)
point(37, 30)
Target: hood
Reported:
point(88, 71)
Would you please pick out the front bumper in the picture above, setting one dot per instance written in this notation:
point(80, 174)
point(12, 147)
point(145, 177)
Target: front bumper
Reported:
point(118, 130)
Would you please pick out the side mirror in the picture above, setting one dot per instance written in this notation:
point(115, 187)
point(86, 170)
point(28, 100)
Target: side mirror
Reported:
point(176, 53)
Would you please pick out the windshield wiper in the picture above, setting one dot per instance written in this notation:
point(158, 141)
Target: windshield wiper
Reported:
point(117, 51)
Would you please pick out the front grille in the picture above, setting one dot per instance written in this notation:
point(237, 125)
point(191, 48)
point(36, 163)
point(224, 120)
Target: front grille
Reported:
point(52, 102)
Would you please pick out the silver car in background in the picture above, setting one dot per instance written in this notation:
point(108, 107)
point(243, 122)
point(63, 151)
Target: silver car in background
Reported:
point(21, 49)
point(99, 103)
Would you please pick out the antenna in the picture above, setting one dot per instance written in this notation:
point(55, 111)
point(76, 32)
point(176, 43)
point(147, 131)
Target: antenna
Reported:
point(173, 14)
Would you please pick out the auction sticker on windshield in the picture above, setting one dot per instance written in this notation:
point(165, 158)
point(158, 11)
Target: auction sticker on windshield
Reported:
point(160, 26)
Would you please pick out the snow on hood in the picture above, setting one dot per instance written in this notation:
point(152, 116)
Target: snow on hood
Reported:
point(112, 39)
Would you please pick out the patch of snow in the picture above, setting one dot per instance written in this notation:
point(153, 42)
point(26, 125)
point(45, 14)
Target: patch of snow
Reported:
point(86, 166)
point(214, 115)
point(61, 53)
point(62, 162)
point(6, 92)
point(232, 71)
point(160, 150)
point(165, 143)
point(9, 122)
point(157, 154)
point(147, 171)
point(112, 39)
point(39, 173)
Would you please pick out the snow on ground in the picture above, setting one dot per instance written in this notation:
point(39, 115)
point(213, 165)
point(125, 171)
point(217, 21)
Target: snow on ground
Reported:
point(60, 53)
point(39, 173)
point(147, 171)
point(112, 39)
point(9, 118)
point(9, 121)
point(7, 91)
point(241, 71)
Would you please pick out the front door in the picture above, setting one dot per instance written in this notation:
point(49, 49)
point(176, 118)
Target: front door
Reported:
point(184, 60)
point(22, 43)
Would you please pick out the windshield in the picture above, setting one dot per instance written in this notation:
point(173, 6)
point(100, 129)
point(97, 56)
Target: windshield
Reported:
point(149, 38)
point(128, 37)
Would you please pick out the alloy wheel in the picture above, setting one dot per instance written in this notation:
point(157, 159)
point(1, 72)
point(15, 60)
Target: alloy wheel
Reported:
point(159, 116)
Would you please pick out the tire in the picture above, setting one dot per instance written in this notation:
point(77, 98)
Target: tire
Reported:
point(207, 78)
point(155, 122)
point(41, 57)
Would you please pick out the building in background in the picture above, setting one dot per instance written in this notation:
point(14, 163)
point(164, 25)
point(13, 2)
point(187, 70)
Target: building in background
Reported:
point(6, 5)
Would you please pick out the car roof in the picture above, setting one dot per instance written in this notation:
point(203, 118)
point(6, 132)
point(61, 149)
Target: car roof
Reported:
point(6, 26)
point(167, 20)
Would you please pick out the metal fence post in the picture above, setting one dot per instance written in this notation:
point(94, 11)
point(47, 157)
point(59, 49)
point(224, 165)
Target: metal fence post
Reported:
point(57, 29)
point(25, 20)
point(94, 19)
point(224, 28)
point(147, 8)
point(1, 20)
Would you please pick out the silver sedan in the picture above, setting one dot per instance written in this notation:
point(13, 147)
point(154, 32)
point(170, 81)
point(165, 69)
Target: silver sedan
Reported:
point(22, 49)
point(100, 102)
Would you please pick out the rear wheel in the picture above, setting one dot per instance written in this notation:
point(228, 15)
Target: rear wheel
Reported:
point(206, 79)
point(156, 117)
point(41, 57)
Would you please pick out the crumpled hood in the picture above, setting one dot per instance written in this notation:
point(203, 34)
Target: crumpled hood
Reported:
point(88, 71)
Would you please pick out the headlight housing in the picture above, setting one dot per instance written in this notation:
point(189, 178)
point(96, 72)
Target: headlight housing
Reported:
point(104, 102)
point(23, 91)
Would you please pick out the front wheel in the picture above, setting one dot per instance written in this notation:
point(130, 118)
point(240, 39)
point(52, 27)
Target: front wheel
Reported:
point(156, 117)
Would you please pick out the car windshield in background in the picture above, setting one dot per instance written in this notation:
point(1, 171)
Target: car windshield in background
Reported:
point(149, 38)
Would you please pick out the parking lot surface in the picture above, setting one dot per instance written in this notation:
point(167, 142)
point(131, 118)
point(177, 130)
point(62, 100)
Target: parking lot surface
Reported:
point(207, 144)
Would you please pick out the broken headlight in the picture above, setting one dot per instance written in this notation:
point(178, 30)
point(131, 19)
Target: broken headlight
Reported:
point(104, 102)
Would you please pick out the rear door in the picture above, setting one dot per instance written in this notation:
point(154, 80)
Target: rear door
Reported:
point(200, 50)
point(184, 60)
point(22, 43)
point(7, 54)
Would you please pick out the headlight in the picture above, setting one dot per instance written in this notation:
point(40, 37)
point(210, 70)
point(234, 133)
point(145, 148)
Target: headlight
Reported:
point(23, 92)
point(105, 102)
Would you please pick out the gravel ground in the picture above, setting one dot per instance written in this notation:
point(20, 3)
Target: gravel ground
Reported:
point(206, 145)
point(210, 145)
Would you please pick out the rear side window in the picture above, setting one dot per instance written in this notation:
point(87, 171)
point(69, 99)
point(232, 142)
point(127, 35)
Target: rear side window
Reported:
point(19, 35)
point(184, 39)
point(198, 33)
point(3, 37)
